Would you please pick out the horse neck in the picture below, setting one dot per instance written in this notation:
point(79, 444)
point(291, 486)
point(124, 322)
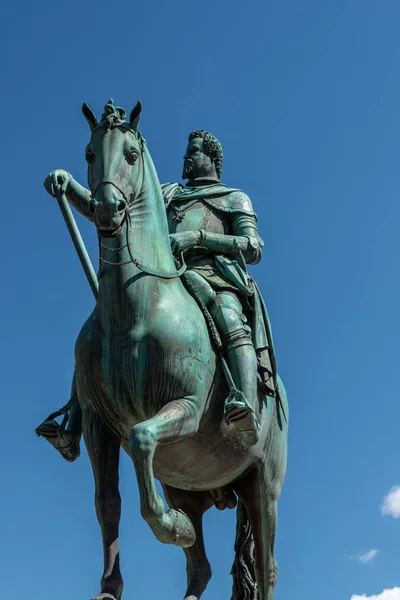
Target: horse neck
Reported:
point(149, 228)
point(123, 287)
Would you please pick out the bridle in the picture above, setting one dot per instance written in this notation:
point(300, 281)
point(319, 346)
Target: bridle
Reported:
point(140, 139)
point(135, 261)
point(132, 259)
point(105, 182)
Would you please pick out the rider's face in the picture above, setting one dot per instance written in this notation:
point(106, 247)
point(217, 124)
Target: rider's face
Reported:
point(197, 163)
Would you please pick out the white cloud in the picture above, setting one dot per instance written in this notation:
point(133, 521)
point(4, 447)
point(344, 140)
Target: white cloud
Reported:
point(393, 594)
point(368, 557)
point(391, 503)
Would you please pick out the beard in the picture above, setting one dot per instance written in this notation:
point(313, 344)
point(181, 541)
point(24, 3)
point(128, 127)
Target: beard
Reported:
point(188, 172)
point(195, 168)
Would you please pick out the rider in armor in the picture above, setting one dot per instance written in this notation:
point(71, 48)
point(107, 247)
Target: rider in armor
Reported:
point(216, 227)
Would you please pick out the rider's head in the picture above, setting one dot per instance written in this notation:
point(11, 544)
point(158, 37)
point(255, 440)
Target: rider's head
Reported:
point(203, 156)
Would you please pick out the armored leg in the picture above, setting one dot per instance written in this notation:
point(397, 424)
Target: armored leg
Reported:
point(241, 357)
point(226, 310)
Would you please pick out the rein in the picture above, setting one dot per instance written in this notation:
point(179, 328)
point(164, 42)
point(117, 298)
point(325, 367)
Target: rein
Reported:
point(135, 261)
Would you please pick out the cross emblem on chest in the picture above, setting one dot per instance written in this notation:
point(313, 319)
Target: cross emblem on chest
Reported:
point(179, 214)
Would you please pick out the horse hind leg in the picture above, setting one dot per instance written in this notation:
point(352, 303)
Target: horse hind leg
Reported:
point(103, 450)
point(260, 497)
point(198, 569)
point(174, 422)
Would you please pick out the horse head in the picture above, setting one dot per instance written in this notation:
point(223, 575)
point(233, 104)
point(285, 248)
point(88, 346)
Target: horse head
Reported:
point(115, 165)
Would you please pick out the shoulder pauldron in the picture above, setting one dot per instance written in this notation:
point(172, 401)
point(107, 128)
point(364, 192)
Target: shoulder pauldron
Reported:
point(236, 202)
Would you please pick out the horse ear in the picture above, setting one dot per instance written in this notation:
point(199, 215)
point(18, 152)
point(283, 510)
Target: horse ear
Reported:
point(135, 115)
point(89, 116)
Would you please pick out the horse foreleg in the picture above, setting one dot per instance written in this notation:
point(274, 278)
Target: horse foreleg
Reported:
point(175, 421)
point(198, 569)
point(103, 450)
point(260, 495)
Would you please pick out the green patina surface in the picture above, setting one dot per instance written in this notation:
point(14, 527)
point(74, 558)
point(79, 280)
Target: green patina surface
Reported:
point(175, 364)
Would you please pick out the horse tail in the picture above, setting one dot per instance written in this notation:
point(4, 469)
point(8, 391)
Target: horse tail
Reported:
point(243, 568)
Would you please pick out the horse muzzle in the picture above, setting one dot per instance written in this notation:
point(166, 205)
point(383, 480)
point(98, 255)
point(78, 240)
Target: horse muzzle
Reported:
point(108, 208)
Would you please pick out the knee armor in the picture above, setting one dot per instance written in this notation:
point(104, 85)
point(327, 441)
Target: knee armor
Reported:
point(230, 320)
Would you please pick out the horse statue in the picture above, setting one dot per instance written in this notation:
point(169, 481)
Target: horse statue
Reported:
point(149, 379)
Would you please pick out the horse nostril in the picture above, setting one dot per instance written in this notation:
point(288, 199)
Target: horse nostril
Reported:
point(121, 206)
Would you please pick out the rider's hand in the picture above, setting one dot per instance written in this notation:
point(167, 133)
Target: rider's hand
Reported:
point(185, 240)
point(57, 181)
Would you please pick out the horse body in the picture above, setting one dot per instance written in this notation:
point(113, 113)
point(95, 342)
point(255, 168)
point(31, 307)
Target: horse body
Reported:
point(145, 357)
point(148, 379)
point(156, 348)
point(147, 354)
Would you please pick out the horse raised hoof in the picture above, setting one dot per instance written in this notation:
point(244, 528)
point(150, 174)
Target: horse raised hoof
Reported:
point(179, 528)
point(106, 596)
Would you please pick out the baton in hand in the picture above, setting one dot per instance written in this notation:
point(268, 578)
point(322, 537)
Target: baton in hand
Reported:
point(78, 241)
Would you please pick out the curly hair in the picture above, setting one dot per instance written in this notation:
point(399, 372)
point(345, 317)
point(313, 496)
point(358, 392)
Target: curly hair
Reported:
point(212, 147)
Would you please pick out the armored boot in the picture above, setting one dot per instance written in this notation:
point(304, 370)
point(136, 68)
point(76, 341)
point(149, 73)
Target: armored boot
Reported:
point(242, 362)
point(65, 437)
point(240, 405)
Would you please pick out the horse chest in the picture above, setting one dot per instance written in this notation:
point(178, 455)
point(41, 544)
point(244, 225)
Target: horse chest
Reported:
point(132, 373)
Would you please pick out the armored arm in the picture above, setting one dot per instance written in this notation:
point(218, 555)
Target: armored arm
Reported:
point(245, 226)
point(79, 197)
point(245, 236)
point(76, 194)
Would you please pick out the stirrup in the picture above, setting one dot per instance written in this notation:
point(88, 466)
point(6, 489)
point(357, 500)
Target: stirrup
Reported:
point(239, 413)
point(66, 442)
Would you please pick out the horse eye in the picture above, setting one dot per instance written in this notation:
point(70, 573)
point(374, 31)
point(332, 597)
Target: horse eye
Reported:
point(131, 157)
point(89, 156)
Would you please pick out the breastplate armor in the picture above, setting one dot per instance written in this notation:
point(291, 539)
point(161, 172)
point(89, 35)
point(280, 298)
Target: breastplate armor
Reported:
point(184, 216)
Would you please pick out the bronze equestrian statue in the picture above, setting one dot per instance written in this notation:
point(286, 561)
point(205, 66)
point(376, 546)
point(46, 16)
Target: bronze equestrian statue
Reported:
point(176, 362)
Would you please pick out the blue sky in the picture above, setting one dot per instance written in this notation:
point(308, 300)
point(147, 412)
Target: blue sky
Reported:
point(305, 97)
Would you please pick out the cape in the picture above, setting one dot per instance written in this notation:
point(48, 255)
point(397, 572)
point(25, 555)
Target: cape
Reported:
point(218, 196)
